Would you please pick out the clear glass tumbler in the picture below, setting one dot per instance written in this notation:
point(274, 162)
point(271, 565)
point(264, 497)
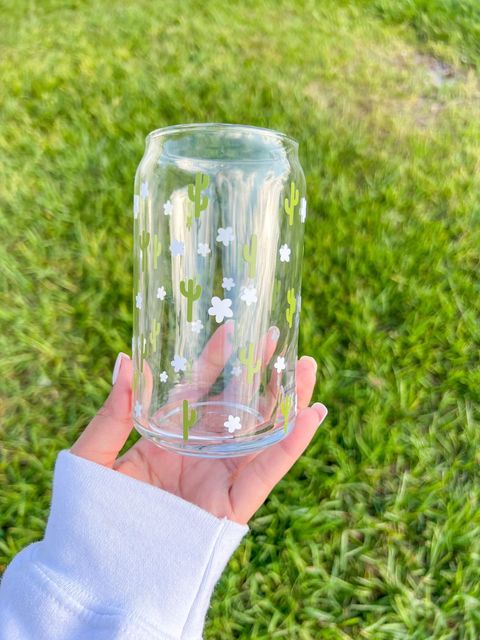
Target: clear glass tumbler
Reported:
point(219, 213)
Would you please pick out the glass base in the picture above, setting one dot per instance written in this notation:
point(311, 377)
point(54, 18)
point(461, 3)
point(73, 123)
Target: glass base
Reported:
point(213, 445)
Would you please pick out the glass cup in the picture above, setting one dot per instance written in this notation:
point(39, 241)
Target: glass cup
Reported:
point(219, 213)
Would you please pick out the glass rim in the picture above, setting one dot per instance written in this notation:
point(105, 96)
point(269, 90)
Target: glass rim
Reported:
point(199, 126)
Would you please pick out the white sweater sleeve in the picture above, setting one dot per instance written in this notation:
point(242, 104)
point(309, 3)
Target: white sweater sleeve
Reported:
point(120, 560)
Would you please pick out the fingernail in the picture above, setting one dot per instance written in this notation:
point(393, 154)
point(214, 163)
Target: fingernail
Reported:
point(312, 361)
point(321, 410)
point(274, 334)
point(117, 365)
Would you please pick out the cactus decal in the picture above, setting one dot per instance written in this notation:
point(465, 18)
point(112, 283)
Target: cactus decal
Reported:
point(195, 195)
point(191, 292)
point(144, 242)
point(285, 407)
point(290, 205)
point(248, 360)
point(189, 419)
point(154, 333)
point(250, 256)
point(157, 250)
point(292, 305)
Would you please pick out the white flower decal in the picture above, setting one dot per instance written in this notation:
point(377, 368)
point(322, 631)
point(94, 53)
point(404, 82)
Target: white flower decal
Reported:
point(137, 409)
point(161, 293)
point(279, 364)
point(167, 208)
point(228, 283)
point(220, 308)
point(177, 248)
point(136, 206)
point(232, 424)
point(163, 376)
point(196, 326)
point(225, 235)
point(178, 363)
point(138, 300)
point(249, 295)
point(236, 370)
point(144, 190)
point(285, 252)
point(303, 209)
point(203, 249)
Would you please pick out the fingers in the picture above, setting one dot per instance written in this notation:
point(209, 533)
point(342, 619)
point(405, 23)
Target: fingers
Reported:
point(212, 360)
point(239, 387)
point(306, 372)
point(206, 369)
point(106, 434)
point(256, 480)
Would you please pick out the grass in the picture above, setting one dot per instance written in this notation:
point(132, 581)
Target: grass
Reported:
point(375, 533)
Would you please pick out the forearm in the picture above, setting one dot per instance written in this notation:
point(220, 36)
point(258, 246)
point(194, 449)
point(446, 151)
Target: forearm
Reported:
point(120, 559)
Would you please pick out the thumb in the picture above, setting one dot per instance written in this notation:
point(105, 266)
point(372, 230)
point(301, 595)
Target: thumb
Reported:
point(106, 434)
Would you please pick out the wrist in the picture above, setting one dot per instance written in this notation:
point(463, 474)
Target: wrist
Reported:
point(134, 547)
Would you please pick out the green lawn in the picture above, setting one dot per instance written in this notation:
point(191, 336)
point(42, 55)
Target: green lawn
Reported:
point(375, 533)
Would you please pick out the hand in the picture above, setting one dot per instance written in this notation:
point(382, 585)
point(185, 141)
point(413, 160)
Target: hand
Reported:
point(226, 487)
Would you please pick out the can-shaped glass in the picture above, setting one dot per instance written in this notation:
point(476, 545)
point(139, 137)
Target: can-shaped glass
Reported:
point(219, 213)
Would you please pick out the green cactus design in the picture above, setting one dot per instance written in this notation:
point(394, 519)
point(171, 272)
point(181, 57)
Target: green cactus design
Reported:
point(292, 305)
point(189, 419)
point(290, 206)
point(154, 333)
point(142, 350)
point(195, 195)
point(191, 292)
point(285, 407)
point(157, 250)
point(144, 242)
point(248, 360)
point(250, 255)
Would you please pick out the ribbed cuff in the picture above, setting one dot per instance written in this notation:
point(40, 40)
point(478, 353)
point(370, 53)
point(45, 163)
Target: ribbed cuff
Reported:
point(118, 543)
